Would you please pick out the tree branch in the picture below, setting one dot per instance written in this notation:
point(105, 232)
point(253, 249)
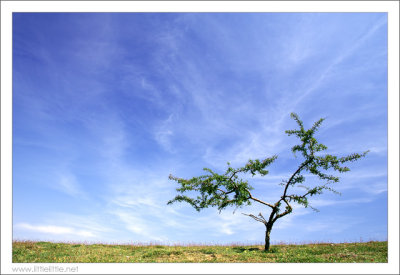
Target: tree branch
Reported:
point(256, 218)
point(262, 216)
point(292, 177)
point(288, 210)
point(225, 192)
point(260, 201)
point(303, 196)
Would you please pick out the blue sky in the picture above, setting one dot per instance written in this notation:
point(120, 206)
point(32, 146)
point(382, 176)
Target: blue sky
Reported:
point(106, 106)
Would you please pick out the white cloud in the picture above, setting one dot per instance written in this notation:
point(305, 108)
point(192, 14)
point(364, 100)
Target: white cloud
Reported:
point(68, 184)
point(326, 202)
point(164, 133)
point(55, 230)
point(141, 226)
point(376, 188)
point(316, 83)
point(372, 183)
point(95, 222)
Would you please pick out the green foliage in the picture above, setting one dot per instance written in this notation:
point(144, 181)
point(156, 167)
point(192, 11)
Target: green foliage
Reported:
point(314, 162)
point(221, 190)
point(227, 189)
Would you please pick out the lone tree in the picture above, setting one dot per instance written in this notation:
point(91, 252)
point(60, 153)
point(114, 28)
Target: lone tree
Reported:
point(227, 189)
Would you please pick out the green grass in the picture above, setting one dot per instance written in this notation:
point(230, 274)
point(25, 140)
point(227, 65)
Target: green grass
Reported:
point(47, 252)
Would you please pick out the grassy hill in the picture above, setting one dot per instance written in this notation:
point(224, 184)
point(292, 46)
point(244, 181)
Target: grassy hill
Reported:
point(47, 252)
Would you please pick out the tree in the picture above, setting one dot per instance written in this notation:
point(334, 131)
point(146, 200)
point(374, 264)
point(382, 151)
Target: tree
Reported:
point(227, 189)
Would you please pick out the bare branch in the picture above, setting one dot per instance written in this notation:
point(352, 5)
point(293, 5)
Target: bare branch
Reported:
point(256, 218)
point(262, 216)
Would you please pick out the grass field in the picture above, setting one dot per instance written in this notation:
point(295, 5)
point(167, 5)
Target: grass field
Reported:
point(47, 252)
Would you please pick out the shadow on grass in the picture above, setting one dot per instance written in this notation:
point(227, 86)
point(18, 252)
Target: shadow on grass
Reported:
point(243, 249)
point(272, 250)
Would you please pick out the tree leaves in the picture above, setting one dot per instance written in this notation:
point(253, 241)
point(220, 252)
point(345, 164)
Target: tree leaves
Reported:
point(221, 190)
point(227, 189)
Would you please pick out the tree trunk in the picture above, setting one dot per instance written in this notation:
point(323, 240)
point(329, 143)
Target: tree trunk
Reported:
point(267, 234)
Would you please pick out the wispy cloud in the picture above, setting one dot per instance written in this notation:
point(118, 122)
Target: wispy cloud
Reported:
point(327, 202)
point(138, 226)
point(55, 230)
point(164, 133)
point(118, 106)
point(315, 81)
point(69, 185)
point(331, 226)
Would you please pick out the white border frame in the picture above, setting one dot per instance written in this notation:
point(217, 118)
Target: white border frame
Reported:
point(391, 7)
